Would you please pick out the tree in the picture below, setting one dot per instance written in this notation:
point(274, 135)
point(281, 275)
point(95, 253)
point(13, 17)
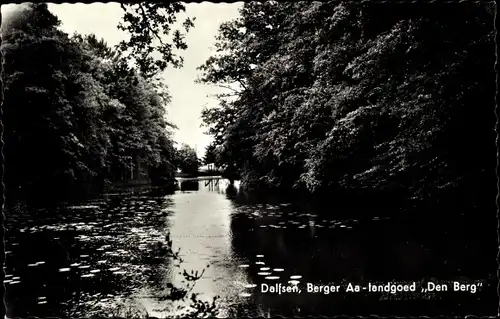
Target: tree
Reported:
point(356, 98)
point(187, 160)
point(76, 113)
point(148, 24)
point(82, 113)
point(39, 101)
point(210, 157)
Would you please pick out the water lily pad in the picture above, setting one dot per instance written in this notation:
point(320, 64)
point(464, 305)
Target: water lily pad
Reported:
point(245, 294)
point(244, 266)
point(250, 286)
point(295, 277)
point(83, 207)
point(278, 269)
point(64, 269)
point(263, 273)
point(272, 277)
point(265, 268)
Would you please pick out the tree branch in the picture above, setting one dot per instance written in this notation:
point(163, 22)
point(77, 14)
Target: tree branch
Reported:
point(229, 88)
point(145, 17)
point(242, 84)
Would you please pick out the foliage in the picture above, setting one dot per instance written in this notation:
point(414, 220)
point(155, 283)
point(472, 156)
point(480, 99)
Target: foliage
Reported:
point(187, 159)
point(147, 24)
point(210, 154)
point(358, 98)
point(76, 113)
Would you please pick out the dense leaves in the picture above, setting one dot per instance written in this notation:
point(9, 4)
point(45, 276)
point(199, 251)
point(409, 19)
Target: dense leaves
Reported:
point(75, 112)
point(395, 101)
point(187, 159)
point(210, 156)
point(148, 24)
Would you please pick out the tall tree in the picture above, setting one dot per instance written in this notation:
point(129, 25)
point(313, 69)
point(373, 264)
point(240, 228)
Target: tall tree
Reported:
point(210, 157)
point(40, 68)
point(76, 112)
point(187, 159)
point(349, 96)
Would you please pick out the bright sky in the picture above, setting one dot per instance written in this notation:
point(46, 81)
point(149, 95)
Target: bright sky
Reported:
point(188, 98)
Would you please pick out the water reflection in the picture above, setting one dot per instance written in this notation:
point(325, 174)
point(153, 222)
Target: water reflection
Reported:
point(189, 185)
point(83, 259)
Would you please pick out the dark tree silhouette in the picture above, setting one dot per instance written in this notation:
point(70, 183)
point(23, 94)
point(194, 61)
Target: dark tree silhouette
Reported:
point(210, 157)
point(359, 98)
point(187, 160)
point(76, 113)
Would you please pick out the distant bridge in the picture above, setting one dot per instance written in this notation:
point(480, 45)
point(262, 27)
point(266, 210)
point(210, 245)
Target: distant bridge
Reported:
point(200, 178)
point(210, 181)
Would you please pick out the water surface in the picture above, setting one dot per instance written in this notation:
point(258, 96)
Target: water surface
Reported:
point(88, 258)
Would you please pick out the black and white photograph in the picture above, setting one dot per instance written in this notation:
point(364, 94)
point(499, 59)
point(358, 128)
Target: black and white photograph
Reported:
point(250, 159)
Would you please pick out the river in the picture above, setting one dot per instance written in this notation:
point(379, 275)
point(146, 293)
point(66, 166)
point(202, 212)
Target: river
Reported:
point(88, 258)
